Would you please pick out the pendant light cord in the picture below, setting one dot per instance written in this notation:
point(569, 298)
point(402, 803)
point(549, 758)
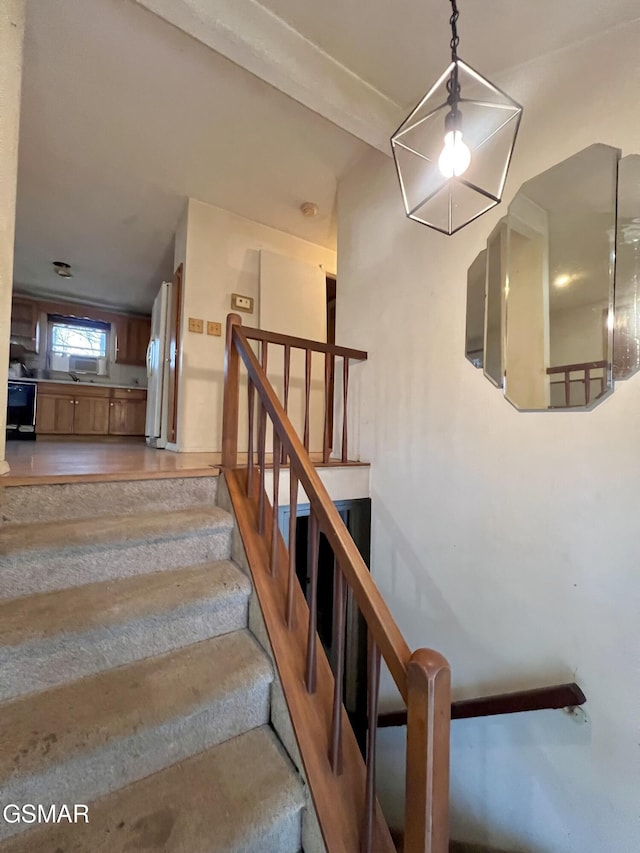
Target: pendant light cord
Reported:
point(453, 86)
point(455, 39)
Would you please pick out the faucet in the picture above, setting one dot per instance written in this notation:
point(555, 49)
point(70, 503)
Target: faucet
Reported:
point(74, 377)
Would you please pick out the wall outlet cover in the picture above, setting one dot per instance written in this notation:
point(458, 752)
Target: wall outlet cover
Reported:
point(196, 325)
point(214, 328)
point(242, 303)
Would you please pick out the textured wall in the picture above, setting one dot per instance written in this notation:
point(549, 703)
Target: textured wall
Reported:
point(12, 14)
point(221, 256)
point(506, 540)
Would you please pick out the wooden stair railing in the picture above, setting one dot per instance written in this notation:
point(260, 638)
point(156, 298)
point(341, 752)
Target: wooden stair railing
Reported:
point(584, 380)
point(555, 697)
point(342, 785)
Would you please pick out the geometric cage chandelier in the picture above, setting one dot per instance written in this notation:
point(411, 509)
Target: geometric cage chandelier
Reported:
point(452, 152)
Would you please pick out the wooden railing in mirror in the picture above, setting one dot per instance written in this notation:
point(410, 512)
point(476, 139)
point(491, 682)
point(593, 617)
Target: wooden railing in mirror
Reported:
point(341, 780)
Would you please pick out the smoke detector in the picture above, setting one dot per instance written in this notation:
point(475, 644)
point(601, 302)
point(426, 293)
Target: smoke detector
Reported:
point(62, 269)
point(309, 209)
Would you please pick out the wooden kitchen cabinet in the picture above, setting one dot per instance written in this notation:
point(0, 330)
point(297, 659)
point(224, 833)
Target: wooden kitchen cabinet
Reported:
point(25, 318)
point(127, 411)
point(54, 413)
point(63, 409)
point(132, 339)
point(91, 416)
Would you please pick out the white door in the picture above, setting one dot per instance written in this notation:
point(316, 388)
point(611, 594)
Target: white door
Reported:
point(293, 301)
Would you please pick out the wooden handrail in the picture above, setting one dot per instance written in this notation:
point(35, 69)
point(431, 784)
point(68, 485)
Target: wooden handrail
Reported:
point(539, 699)
point(314, 696)
point(386, 633)
point(422, 678)
point(428, 720)
point(572, 368)
point(302, 343)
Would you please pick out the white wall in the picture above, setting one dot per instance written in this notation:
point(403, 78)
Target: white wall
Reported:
point(507, 540)
point(293, 301)
point(222, 257)
point(579, 334)
point(12, 16)
point(342, 483)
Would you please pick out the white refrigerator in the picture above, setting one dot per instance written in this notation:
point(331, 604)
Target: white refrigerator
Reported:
point(157, 370)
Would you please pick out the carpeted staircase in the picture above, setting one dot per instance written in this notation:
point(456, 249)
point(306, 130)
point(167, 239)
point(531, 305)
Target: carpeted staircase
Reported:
point(129, 679)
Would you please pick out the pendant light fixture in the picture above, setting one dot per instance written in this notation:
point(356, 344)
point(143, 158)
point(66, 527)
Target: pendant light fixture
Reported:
point(452, 152)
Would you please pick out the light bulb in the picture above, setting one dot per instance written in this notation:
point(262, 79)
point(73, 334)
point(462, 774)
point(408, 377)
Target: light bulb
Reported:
point(455, 157)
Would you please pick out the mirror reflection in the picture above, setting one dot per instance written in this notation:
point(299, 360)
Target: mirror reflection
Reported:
point(560, 268)
point(626, 340)
point(495, 305)
point(549, 287)
point(476, 276)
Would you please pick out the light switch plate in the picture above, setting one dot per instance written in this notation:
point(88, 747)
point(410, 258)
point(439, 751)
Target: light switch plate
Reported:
point(214, 328)
point(196, 325)
point(242, 303)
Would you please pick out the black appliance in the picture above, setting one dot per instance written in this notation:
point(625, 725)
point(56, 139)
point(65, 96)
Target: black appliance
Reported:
point(21, 411)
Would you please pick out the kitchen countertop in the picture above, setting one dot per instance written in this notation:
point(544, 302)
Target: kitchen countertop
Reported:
point(35, 381)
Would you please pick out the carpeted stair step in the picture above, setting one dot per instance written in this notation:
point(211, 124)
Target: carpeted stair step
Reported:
point(55, 555)
point(59, 636)
point(91, 737)
point(242, 796)
point(58, 501)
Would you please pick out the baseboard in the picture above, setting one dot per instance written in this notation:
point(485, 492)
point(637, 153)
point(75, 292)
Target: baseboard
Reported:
point(454, 846)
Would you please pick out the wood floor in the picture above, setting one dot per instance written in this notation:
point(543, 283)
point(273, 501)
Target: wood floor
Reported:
point(55, 461)
point(66, 461)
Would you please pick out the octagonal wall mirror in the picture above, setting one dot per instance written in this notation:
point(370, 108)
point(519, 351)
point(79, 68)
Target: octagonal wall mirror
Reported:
point(547, 277)
point(626, 335)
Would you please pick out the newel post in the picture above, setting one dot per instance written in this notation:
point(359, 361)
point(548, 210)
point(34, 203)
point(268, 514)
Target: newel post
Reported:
point(427, 780)
point(231, 396)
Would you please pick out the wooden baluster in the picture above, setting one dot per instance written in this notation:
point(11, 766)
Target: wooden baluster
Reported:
point(345, 391)
point(312, 650)
point(262, 437)
point(337, 646)
point(250, 461)
point(293, 514)
point(231, 402)
point(287, 374)
point(276, 491)
point(328, 406)
point(567, 388)
point(428, 732)
point(373, 689)
point(587, 386)
point(307, 397)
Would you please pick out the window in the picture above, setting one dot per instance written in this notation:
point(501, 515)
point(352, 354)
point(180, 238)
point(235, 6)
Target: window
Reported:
point(83, 338)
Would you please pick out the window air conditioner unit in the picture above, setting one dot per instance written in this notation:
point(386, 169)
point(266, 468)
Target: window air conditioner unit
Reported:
point(87, 364)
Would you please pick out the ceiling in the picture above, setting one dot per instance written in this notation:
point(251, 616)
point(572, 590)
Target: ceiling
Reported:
point(400, 47)
point(124, 116)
